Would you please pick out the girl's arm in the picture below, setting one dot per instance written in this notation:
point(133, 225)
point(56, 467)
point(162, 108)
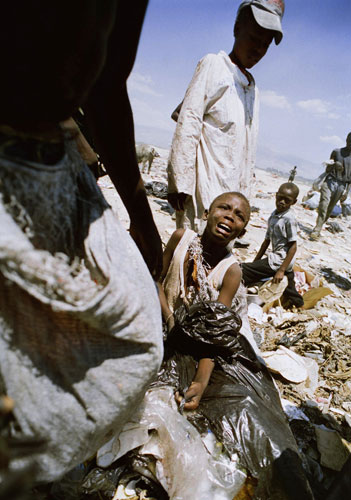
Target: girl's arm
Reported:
point(194, 394)
point(230, 285)
point(231, 282)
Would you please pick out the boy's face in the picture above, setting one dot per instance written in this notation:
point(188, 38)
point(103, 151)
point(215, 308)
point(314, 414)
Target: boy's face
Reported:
point(227, 219)
point(284, 199)
point(251, 42)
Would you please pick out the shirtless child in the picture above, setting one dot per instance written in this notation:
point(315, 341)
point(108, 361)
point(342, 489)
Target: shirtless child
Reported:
point(226, 219)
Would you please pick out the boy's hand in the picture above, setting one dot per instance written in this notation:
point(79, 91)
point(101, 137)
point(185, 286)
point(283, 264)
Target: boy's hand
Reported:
point(192, 396)
point(279, 275)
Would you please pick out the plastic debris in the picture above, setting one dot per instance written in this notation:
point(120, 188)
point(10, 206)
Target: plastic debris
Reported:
point(289, 365)
point(158, 189)
point(333, 449)
point(334, 227)
point(286, 364)
point(269, 292)
point(174, 443)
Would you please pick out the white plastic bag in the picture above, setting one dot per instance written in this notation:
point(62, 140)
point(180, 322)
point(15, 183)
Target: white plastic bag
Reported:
point(184, 467)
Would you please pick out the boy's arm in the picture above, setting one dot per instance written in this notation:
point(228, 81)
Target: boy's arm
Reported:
point(263, 249)
point(279, 275)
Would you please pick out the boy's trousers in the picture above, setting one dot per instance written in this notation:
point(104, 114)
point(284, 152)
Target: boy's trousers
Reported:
point(254, 272)
point(331, 192)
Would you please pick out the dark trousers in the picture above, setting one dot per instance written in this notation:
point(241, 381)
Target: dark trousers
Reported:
point(254, 272)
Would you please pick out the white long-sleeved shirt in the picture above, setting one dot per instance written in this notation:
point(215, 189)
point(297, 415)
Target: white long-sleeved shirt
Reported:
point(214, 144)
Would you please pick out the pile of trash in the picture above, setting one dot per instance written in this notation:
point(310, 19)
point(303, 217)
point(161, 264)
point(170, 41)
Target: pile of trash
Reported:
point(308, 353)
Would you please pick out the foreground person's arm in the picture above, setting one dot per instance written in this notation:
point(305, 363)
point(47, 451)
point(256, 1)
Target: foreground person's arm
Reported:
point(167, 258)
point(111, 120)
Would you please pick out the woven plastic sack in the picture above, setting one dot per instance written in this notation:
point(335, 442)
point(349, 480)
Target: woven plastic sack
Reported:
point(80, 328)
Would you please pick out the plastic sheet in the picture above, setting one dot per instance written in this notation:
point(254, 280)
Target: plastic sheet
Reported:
point(269, 292)
point(174, 442)
point(206, 329)
point(103, 482)
point(156, 188)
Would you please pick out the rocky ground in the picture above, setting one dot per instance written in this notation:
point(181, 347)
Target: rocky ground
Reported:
point(309, 350)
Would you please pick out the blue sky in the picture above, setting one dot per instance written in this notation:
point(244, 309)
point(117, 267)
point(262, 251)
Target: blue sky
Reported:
point(305, 82)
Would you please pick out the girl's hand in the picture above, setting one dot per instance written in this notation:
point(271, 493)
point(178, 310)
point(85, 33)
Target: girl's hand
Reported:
point(192, 396)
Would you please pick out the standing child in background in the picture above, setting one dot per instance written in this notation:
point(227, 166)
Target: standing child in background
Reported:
point(214, 144)
point(282, 232)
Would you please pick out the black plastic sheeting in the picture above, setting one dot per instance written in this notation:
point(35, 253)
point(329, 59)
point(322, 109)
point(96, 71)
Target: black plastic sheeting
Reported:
point(89, 482)
point(332, 277)
point(241, 405)
point(156, 188)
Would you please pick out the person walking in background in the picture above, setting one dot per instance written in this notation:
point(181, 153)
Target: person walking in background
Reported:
point(335, 186)
point(292, 174)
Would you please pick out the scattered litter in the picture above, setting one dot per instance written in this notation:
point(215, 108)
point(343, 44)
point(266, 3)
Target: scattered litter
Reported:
point(292, 411)
point(256, 312)
point(332, 277)
point(333, 449)
point(156, 188)
point(288, 364)
point(263, 195)
point(269, 292)
point(334, 227)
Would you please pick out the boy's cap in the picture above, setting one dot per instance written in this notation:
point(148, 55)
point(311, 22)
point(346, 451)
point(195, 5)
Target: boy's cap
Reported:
point(268, 14)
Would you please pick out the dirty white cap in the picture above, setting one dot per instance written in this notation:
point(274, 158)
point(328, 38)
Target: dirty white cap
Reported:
point(268, 14)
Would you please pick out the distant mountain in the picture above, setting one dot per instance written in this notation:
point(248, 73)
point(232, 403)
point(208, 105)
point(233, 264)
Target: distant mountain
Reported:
point(153, 135)
point(275, 161)
point(266, 158)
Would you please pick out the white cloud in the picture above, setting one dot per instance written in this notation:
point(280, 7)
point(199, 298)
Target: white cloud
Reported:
point(139, 83)
point(315, 106)
point(334, 140)
point(272, 99)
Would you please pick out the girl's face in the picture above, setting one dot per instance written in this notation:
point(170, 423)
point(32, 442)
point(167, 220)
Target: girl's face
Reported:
point(227, 218)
